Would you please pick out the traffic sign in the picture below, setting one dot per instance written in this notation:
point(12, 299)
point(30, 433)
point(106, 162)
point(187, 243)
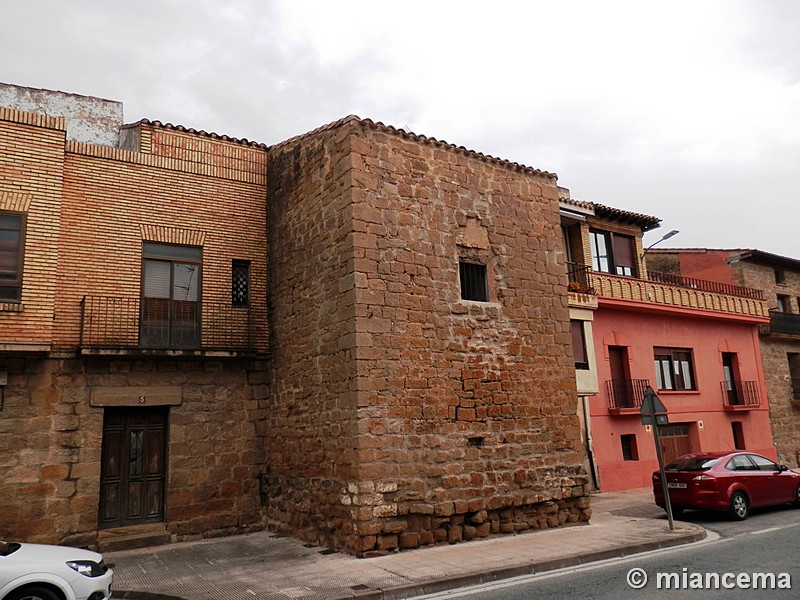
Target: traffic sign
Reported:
point(652, 405)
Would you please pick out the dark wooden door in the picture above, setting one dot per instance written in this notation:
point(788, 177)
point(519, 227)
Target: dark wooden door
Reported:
point(675, 442)
point(620, 377)
point(133, 469)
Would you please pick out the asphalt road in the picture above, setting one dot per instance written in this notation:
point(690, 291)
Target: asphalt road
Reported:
point(764, 543)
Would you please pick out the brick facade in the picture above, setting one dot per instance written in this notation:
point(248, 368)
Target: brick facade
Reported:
point(371, 410)
point(88, 210)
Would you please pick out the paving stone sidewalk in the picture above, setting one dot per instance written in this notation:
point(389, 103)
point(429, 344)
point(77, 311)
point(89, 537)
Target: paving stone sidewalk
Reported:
point(265, 566)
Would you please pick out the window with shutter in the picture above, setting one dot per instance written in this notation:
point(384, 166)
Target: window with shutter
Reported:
point(12, 235)
point(171, 296)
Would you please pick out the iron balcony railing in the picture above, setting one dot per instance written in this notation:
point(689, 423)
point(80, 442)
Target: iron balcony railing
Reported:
point(626, 393)
point(578, 277)
point(740, 394)
point(605, 285)
point(705, 286)
point(162, 324)
point(783, 322)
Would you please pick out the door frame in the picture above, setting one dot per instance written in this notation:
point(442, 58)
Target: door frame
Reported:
point(127, 498)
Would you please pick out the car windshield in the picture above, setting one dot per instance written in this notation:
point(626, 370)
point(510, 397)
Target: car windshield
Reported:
point(692, 463)
point(7, 548)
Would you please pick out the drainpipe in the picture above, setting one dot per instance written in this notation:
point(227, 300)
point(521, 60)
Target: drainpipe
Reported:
point(587, 427)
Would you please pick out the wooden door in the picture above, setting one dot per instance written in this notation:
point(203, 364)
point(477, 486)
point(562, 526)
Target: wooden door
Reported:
point(675, 442)
point(133, 468)
point(620, 377)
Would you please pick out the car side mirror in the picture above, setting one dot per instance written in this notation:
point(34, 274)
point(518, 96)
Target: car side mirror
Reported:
point(782, 468)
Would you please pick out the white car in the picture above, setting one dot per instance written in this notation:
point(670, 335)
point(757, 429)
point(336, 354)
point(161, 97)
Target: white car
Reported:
point(41, 572)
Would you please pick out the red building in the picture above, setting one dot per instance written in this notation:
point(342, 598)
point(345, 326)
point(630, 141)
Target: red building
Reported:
point(695, 342)
point(779, 279)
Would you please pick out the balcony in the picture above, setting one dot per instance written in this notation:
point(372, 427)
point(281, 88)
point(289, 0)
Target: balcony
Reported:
point(783, 323)
point(740, 395)
point(578, 278)
point(625, 395)
point(679, 292)
point(706, 286)
point(125, 326)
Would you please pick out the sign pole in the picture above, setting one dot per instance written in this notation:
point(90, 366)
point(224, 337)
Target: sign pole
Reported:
point(657, 438)
point(653, 413)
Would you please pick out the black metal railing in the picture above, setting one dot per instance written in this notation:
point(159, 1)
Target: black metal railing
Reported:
point(160, 324)
point(626, 393)
point(578, 278)
point(705, 286)
point(740, 393)
point(783, 322)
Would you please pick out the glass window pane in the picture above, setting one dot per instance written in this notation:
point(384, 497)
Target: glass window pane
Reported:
point(667, 373)
point(156, 279)
point(686, 373)
point(185, 283)
point(600, 258)
point(171, 251)
point(10, 245)
point(624, 254)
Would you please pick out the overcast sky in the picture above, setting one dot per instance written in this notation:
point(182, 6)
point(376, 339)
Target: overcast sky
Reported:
point(688, 110)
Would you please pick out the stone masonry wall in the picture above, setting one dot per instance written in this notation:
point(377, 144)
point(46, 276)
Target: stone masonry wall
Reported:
point(456, 419)
point(88, 211)
point(313, 432)
point(784, 412)
point(50, 446)
point(468, 409)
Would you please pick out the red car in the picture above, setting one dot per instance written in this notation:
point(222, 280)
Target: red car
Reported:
point(728, 481)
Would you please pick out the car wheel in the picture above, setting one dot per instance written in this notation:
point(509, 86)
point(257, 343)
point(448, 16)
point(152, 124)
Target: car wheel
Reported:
point(739, 506)
point(33, 592)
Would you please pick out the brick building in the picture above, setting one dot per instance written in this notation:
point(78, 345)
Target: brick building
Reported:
point(132, 326)
point(779, 278)
point(693, 340)
point(416, 385)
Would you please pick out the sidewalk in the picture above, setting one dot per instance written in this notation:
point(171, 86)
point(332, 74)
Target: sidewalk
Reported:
point(266, 566)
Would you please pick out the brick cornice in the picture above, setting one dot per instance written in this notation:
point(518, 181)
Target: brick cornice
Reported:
point(15, 115)
point(163, 162)
point(15, 201)
point(172, 235)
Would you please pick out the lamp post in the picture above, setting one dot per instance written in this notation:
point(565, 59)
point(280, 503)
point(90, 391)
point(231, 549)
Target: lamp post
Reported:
point(666, 236)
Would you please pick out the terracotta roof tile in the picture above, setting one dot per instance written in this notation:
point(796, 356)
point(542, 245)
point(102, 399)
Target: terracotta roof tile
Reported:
point(182, 129)
point(378, 126)
point(646, 222)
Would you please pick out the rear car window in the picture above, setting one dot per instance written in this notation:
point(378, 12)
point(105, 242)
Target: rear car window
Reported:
point(694, 463)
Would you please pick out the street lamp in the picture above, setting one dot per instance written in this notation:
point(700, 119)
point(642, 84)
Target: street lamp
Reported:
point(666, 236)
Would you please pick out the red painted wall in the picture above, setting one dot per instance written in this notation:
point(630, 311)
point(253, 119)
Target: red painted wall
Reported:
point(710, 266)
point(708, 421)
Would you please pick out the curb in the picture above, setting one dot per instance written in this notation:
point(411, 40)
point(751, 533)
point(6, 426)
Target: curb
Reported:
point(402, 592)
point(144, 595)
